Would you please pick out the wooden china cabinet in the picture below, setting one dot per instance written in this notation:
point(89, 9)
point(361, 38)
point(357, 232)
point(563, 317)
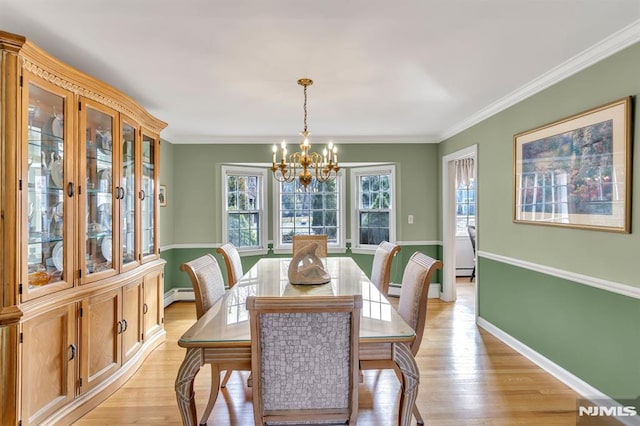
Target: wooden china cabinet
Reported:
point(81, 300)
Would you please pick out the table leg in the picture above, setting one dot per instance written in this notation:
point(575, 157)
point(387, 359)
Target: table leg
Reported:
point(213, 393)
point(184, 385)
point(411, 378)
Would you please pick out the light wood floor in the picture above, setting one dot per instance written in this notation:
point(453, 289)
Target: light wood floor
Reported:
point(467, 377)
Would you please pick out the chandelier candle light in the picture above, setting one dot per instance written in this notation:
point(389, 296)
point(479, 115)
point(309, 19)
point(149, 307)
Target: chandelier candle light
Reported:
point(325, 166)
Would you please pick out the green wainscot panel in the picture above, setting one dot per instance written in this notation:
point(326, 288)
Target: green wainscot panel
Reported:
point(175, 278)
point(365, 261)
point(592, 333)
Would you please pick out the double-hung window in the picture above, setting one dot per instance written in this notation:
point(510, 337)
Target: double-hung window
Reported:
point(373, 219)
point(465, 207)
point(317, 210)
point(243, 221)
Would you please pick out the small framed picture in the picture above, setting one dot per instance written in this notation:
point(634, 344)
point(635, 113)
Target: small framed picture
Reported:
point(162, 195)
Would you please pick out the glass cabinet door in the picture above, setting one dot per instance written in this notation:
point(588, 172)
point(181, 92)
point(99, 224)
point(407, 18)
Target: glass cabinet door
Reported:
point(98, 208)
point(48, 199)
point(148, 196)
point(126, 193)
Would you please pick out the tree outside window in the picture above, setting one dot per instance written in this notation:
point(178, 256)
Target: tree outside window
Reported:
point(310, 212)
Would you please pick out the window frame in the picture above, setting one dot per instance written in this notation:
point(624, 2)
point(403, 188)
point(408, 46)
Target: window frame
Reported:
point(286, 248)
point(357, 172)
point(261, 173)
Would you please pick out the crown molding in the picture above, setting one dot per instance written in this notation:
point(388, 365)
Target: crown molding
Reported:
point(601, 50)
point(318, 139)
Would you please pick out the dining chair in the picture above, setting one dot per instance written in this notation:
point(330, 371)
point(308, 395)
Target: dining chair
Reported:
point(472, 236)
point(232, 261)
point(208, 287)
point(304, 358)
point(300, 241)
point(412, 307)
point(381, 269)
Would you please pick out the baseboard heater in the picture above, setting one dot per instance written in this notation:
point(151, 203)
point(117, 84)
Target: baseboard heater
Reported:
point(186, 294)
point(178, 294)
point(434, 290)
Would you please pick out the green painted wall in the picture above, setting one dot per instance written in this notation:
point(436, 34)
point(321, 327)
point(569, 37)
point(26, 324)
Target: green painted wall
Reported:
point(167, 218)
point(197, 183)
point(592, 333)
point(193, 214)
point(166, 213)
point(604, 255)
point(174, 278)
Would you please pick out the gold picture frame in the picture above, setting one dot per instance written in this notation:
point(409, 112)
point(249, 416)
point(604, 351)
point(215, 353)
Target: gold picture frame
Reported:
point(576, 172)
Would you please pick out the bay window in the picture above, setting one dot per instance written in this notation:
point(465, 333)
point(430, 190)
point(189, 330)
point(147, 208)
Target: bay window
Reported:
point(317, 210)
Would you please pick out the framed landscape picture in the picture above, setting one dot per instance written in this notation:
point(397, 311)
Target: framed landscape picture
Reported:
point(576, 172)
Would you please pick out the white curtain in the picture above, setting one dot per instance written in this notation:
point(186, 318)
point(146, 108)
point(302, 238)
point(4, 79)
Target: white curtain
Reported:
point(465, 171)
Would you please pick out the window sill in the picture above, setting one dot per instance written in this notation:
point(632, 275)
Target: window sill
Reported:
point(252, 252)
point(364, 250)
point(331, 250)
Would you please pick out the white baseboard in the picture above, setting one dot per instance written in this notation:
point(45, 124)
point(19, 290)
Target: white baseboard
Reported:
point(434, 290)
point(569, 379)
point(178, 294)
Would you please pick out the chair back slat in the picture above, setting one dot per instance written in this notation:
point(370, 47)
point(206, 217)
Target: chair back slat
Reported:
point(207, 281)
point(232, 261)
point(300, 241)
point(305, 358)
point(412, 306)
point(381, 269)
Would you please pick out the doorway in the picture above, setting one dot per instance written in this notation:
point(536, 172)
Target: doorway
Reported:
point(451, 227)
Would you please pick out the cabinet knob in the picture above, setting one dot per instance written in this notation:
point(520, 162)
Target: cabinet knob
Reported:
point(142, 194)
point(119, 327)
point(126, 325)
point(72, 348)
point(145, 308)
point(121, 192)
point(70, 189)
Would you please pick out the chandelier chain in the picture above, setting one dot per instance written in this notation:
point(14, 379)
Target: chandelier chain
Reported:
point(305, 108)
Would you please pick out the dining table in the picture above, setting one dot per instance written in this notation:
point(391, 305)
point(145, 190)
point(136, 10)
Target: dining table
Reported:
point(222, 335)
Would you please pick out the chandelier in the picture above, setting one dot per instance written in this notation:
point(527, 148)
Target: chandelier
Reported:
point(325, 167)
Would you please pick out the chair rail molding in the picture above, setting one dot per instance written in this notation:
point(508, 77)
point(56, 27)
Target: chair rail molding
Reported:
point(602, 284)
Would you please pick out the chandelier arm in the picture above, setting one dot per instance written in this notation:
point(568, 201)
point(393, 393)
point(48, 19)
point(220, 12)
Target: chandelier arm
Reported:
point(283, 173)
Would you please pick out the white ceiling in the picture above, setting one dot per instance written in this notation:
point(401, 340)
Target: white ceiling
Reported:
point(406, 70)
